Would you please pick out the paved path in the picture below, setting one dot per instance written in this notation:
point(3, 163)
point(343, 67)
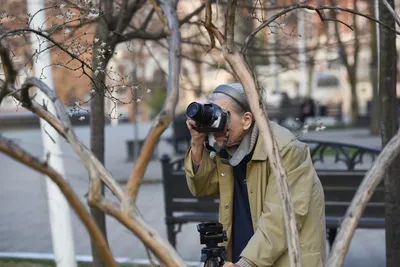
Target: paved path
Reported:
point(24, 225)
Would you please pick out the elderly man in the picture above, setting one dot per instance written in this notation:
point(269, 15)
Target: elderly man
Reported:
point(234, 164)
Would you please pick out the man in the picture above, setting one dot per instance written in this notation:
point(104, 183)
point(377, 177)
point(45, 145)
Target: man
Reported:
point(250, 208)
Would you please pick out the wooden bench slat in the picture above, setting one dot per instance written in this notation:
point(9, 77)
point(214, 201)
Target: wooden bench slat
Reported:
point(347, 194)
point(342, 178)
point(193, 217)
point(198, 207)
point(340, 208)
point(364, 222)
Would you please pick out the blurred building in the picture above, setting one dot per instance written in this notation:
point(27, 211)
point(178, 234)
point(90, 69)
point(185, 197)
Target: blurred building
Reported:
point(274, 55)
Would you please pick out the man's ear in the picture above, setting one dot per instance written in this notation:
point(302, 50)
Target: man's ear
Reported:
point(247, 120)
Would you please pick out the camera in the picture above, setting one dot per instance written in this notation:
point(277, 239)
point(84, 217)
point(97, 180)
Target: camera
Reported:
point(208, 117)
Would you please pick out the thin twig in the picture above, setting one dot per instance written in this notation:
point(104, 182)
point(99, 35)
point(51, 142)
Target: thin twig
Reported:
point(160, 13)
point(322, 17)
point(208, 24)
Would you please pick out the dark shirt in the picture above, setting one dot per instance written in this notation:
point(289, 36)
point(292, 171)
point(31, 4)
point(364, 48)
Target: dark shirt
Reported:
point(242, 226)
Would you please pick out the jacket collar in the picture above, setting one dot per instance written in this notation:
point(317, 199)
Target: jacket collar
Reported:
point(259, 151)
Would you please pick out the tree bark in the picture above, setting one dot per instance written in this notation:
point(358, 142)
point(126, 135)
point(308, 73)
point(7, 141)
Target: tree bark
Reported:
point(350, 67)
point(389, 126)
point(99, 64)
point(375, 112)
point(354, 97)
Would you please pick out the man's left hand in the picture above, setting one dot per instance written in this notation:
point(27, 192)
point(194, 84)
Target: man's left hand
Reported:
point(230, 264)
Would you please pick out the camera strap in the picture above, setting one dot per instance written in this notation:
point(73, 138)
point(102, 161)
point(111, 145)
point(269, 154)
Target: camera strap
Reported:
point(222, 151)
point(237, 156)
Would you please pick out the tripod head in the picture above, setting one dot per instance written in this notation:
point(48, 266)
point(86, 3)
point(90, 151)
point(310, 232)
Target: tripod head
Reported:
point(211, 234)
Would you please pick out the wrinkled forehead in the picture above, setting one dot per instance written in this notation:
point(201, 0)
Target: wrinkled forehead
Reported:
point(223, 101)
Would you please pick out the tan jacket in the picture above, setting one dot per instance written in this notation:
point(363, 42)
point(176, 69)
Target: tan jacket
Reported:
point(268, 246)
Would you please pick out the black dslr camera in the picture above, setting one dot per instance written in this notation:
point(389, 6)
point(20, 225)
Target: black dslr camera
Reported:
point(211, 234)
point(208, 117)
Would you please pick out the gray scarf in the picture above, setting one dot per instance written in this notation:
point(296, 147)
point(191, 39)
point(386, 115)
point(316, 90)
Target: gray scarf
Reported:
point(237, 153)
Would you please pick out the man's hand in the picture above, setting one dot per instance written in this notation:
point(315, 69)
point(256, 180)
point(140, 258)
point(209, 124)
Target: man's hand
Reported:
point(197, 137)
point(230, 264)
point(197, 141)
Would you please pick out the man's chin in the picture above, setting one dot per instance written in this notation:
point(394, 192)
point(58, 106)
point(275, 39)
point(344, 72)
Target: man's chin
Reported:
point(219, 140)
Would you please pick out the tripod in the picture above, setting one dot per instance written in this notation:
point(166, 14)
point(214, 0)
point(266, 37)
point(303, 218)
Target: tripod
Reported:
point(212, 257)
point(211, 234)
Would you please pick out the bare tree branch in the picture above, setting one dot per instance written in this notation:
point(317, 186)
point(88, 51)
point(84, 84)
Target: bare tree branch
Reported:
point(57, 44)
point(96, 170)
point(154, 36)
point(373, 177)
point(129, 216)
point(160, 13)
point(15, 151)
point(259, 111)
point(317, 9)
point(391, 10)
point(167, 113)
point(91, 162)
point(191, 15)
point(208, 24)
point(147, 20)
point(141, 34)
point(42, 112)
point(230, 24)
point(260, 114)
point(132, 221)
point(9, 71)
point(130, 8)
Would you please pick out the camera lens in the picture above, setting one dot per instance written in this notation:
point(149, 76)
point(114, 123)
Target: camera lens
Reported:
point(200, 113)
point(194, 110)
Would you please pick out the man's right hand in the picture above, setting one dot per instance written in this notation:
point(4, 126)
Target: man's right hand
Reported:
point(198, 139)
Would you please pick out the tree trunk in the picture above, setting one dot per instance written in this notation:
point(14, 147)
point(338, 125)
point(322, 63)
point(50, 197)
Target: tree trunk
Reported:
point(97, 120)
point(199, 69)
point(310, 65)
point(374, 126)
point(389, 126)
point(354, 97)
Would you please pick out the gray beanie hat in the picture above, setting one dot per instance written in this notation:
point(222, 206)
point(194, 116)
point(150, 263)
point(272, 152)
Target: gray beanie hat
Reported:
point(236, 91)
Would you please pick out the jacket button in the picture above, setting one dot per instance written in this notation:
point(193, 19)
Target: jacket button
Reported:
point(251, 191)
point(222, 174)
point(226, 206)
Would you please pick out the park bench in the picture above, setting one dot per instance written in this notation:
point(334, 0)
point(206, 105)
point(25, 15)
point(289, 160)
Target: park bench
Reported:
point(340, 167)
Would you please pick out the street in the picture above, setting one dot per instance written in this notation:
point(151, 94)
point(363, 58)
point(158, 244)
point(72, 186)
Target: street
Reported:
point(24, 218)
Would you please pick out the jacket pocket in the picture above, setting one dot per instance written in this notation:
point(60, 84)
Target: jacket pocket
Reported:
point(312, 259)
